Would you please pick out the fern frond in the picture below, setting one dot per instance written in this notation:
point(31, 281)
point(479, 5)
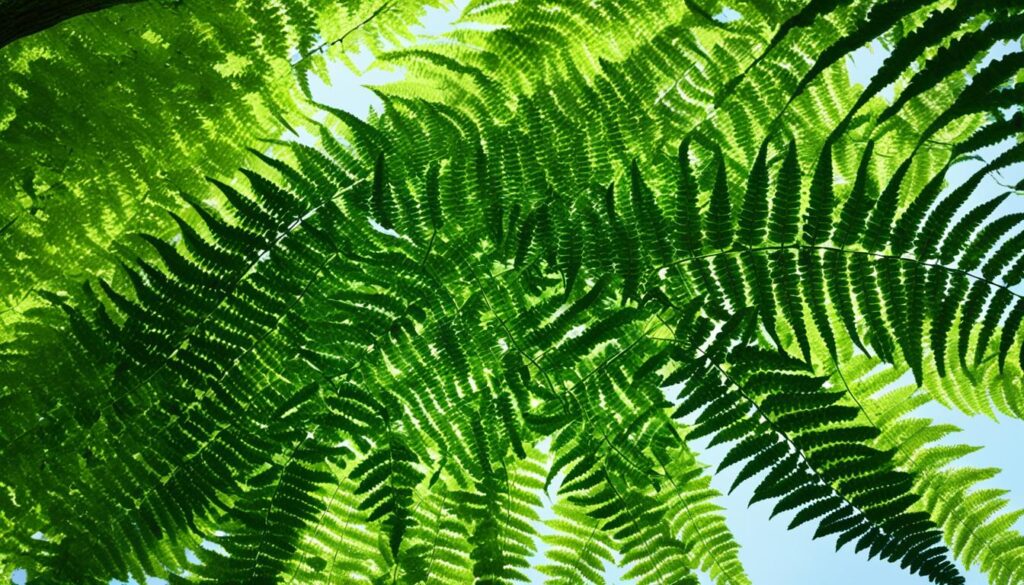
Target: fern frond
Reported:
point(562, 229)
point(805, 438)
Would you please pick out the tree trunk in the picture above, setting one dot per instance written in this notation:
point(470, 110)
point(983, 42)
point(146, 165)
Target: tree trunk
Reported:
point(20, 18)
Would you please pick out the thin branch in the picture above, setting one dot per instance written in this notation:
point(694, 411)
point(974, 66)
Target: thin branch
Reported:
point(328, 44)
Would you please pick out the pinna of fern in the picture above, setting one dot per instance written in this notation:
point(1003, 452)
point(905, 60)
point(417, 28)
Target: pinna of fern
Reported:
point(377, 359)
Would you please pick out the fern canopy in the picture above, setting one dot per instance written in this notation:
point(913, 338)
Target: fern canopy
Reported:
point(502, 318)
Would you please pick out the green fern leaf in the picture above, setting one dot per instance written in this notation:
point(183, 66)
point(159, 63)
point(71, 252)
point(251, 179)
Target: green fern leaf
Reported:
point(786, 201)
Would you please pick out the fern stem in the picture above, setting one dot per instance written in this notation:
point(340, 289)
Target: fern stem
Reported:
point(833, 249)
point(689, 513)
point(636, 521)
point(785, 436)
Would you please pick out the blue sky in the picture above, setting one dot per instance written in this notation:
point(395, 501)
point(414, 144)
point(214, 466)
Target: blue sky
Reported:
point(772, 554)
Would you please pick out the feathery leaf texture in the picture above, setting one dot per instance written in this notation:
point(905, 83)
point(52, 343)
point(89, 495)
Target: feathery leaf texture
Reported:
point(494, 321)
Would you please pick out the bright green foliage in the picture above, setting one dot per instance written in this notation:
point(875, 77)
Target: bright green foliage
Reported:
point(578, 243)
point(106, 120)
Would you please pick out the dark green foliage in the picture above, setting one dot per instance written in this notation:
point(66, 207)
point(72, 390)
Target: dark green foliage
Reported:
point(754, 217)
point(718, 221)
point(687, 233)
point(786, 423)
point(568, 251)
point(786, 200)
point(381, 201)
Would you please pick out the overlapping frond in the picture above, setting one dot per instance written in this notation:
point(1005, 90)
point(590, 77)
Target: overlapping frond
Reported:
point(173, 91)
point(973, 517)
point(521, 293)
point(784, 421)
